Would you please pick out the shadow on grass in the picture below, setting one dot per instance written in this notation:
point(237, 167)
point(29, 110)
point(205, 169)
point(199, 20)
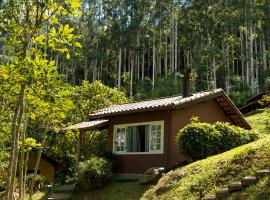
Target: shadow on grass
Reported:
point(117, 190)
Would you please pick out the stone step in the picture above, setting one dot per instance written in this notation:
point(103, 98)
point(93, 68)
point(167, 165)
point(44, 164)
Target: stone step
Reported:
point(262, 173)
point(59, 196)
point(248, 180)
point(211, 198)
point(222, 193)
point(235, 186)
point(63, 189)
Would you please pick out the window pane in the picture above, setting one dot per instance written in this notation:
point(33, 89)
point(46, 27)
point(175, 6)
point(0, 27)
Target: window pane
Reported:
point(158, 134)
point(155, 136)
point(137, 138)
point(120, 139)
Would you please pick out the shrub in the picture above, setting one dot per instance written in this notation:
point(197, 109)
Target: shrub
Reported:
point(94, 173)
point(39, 181)
point(233, 136)
point(199, 140)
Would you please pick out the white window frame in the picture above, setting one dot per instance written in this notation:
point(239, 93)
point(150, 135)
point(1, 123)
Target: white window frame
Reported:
point(161, 151)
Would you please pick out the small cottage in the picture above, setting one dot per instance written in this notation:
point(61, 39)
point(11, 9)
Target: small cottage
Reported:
point(142, 134)
point(46, 168)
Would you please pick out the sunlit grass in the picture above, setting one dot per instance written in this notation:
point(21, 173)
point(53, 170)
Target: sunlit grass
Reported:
point(214, 172)
point(259, 121)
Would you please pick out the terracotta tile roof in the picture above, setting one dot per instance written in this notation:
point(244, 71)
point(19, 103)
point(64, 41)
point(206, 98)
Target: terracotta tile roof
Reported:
point(154, 104)
point(91, 125)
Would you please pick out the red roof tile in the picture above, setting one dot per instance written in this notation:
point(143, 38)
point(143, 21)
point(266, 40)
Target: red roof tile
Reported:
point(91, 125)
point(150, 105)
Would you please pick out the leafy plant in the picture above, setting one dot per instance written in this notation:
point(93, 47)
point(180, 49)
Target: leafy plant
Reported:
point(39, 181)
point(94, 173)
point(233, 136)
point(199, 140)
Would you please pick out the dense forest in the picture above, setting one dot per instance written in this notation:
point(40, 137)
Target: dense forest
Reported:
point(143, 46)
point(146, 46)
point(140, 45)
point(51, 52)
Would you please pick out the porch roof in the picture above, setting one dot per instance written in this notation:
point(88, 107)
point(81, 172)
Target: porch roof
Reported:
point(88, 126)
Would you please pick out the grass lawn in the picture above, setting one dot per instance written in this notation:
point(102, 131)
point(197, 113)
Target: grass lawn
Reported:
point(122, 190)
point(214, 172)
point(37, 196)
point(259, 121)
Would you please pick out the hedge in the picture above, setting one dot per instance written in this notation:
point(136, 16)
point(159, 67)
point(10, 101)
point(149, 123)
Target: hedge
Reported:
point(200, 140)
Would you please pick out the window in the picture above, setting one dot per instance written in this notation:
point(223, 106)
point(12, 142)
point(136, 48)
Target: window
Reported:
point(141, 138)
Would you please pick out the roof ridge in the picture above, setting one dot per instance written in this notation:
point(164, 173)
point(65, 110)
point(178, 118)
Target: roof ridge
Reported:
point(166, 97)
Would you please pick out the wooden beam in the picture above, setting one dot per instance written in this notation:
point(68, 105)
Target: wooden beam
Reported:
point(79, 142)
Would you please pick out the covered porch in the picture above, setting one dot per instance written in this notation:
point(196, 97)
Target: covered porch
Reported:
point(99, 124)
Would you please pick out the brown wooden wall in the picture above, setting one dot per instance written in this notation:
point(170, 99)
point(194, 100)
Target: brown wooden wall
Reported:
point(137, 164)
point(208, 111)
point(45, 169)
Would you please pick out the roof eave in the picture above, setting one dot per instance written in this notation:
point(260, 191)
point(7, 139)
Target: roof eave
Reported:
point(236, 110)
point(161, 108)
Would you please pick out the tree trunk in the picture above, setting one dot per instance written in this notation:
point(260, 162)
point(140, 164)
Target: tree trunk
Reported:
point(176, 48)
point(153, 64)
point(214, 73)
point(131, 75)
point(143, 66)
point(85, 69)
point(22, 162)
point(15, 126)
point(119, 68)
point(166, 57)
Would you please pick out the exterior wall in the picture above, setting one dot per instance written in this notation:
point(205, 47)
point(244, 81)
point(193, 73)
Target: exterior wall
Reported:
point(45, 168)
point(208, 111)
point(138, 163)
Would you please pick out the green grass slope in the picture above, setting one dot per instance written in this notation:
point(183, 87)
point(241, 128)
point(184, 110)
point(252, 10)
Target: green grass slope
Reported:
point(259, 121)
point(214, 172)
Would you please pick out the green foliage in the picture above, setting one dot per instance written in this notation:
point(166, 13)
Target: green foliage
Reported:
point(200, 140)
point(240, 97)
point(164, 86)
point(94, 173)
point(39, 181)
point(89, 97)
point(233, 136)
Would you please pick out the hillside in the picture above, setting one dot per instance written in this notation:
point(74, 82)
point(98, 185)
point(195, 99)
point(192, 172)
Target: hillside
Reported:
point(212, 173)
point(259, 121)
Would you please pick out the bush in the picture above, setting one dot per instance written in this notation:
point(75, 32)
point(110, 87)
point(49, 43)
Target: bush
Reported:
point(199, 140)
point(233, 136)
point(39, 181)
point(94, 173)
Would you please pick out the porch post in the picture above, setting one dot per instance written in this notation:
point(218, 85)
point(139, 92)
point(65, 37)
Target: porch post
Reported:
point(79, 142)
